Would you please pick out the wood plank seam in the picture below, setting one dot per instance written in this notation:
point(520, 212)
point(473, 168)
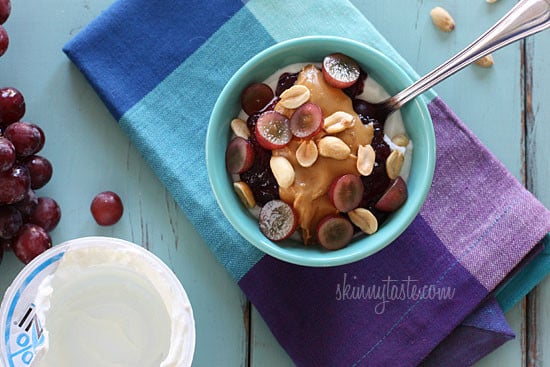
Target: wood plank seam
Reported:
point(531, 358)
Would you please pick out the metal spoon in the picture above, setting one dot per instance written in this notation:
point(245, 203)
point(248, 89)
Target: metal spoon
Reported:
point(524, 19)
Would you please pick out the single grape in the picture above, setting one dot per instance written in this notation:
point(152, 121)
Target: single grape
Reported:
point(12, 106)
point(11, 221)
point(14, 184)
point(107, 208)
point(5, 10)
point(46, 214)
point(26, 138)
point(42, 138)
point(4, 40)
point(255, 97)
point(31, 241)
point(27, 205)
point(7, 154)
point(40, 170)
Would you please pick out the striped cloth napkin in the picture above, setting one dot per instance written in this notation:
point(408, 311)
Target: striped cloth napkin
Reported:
point(427, 299)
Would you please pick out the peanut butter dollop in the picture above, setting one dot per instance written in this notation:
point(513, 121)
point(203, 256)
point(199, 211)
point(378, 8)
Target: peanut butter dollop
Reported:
point(309, 192)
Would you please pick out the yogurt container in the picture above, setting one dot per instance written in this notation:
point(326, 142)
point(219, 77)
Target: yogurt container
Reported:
point(96, 301)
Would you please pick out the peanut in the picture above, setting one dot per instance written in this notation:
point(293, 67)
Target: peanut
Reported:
point(333, 147)
point(338, 122)
point(442, 19)
point(307, 153)
point(364, 219)
point(365, 159)
point(245, 194)
point(282, 170)
point(394, 163)
point(294, 96)
point(240, 128)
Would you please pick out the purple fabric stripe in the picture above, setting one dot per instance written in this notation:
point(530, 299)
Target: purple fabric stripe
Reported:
point(313, 312)
point(479, 334)
point(489, 222)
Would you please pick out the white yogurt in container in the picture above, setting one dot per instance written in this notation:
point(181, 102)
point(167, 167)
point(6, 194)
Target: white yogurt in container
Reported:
point(96, 302)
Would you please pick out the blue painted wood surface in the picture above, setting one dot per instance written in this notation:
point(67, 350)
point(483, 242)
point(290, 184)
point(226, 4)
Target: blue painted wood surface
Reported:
point(506, 106)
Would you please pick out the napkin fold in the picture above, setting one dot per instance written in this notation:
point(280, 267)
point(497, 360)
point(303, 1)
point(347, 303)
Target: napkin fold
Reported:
point(427, 299)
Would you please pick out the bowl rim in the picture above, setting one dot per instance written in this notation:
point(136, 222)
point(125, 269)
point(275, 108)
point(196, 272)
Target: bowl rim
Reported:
point(348, 254)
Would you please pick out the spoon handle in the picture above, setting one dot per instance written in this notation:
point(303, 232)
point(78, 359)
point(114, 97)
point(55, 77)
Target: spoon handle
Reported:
point(524, 19)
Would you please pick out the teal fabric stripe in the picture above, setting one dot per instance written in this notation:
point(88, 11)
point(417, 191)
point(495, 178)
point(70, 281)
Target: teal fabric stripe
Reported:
point(187, 96)
point(356, 26)
point(526, 279)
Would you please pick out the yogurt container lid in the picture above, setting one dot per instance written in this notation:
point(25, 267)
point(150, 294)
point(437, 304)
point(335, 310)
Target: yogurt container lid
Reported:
point(22, 330)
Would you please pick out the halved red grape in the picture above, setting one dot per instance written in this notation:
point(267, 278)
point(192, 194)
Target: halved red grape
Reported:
point(11, 221)
point(26, 138)
point(334, 232)
point(14, 184)
point(40, 170)
point(255, 97)
point(4, 40)
point(239, 155)
point(31, 241)
point(5, 10)
point(12, 106)
point(306, 121)
point(277, 220)
point(107, 208)
point(272, 130)
point(394, 197)
point(7, 154)
point(340, 71)
point(46, 214)
point(346, 192)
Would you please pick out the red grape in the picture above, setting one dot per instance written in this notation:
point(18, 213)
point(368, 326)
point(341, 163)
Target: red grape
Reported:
point(14, 184)
point(40, 170)
point(26, 138)
point(31, 241)
point(4, 40)
point(42, 137)
point(255, 97)
point(5, 10)
point(46, 214)
point(10, 221)
point(27, 205)
point(7, 154)
point(107, 208)
point(12, 106)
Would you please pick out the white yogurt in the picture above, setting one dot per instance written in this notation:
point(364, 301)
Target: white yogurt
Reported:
point(94, 302)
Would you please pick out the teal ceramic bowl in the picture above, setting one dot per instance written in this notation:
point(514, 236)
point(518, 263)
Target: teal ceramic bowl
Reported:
point(312, 49)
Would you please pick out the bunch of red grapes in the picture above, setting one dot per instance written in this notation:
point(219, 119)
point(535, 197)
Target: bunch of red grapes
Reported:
point(25, 218)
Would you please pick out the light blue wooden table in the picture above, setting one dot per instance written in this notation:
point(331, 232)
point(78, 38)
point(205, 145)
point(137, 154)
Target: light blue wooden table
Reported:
point(504, 105)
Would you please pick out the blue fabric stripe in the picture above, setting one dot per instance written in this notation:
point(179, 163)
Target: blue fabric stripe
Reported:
point(157, 46)
point(170, 123)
